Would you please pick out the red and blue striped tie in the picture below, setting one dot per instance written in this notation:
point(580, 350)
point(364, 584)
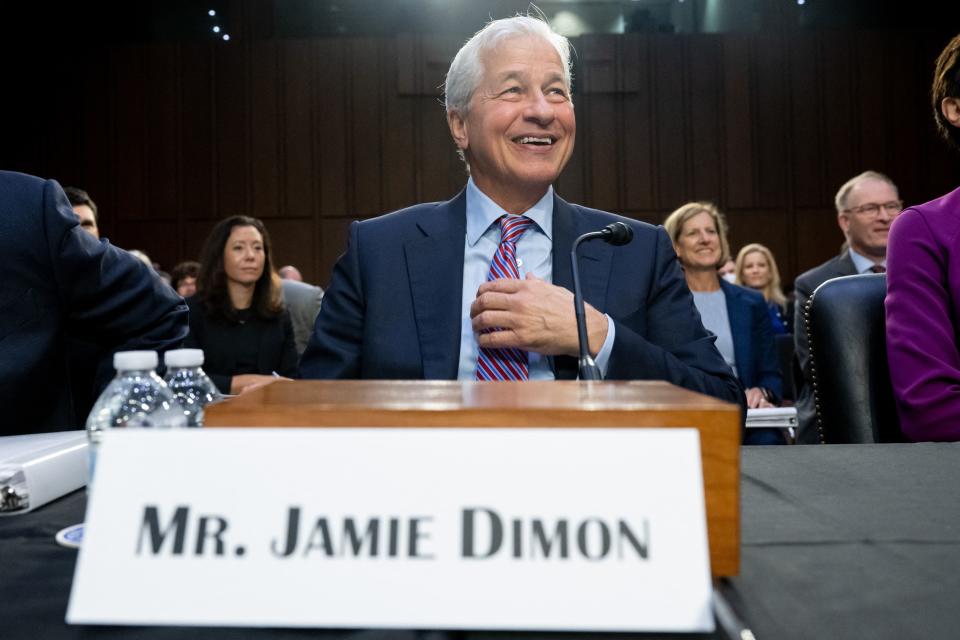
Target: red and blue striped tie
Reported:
point(505, 364)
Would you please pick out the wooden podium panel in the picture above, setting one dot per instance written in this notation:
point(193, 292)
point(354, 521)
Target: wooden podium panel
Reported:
point(384, 403)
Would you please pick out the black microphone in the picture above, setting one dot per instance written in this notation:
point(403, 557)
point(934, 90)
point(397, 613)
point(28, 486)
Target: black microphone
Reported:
point(617, 234)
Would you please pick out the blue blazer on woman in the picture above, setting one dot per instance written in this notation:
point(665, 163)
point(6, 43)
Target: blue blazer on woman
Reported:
point(753, 342)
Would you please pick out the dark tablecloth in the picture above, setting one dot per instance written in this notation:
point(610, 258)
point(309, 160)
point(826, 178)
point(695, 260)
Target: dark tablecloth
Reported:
point(841, 541)
point(850, 541)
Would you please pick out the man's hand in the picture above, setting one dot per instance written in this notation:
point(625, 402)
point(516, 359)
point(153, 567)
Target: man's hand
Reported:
point(535, 316)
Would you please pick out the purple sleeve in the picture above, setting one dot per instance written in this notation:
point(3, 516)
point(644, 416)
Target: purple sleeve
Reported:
point(921, 338)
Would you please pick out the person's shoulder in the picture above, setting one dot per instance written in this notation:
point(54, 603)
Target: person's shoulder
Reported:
point(941, 215)
point(295, 287)
point(14, 180)
point(407, 217)
point(814, 277)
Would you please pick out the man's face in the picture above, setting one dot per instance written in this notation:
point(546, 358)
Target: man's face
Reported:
point(520, 129)
point(187, 286)
point(87, 219)
point(866, 229)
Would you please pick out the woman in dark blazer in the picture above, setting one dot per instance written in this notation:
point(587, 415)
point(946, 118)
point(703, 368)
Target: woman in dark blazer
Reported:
point(237, 316)
point(737, 316)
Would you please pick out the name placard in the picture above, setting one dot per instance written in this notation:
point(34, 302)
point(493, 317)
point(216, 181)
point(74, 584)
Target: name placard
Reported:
point(525, 529)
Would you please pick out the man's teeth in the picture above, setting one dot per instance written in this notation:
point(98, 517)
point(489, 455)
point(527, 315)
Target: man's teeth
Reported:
point(532, 140)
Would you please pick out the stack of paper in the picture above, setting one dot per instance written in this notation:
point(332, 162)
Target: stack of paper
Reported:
point(776, 417)
point(35, 469)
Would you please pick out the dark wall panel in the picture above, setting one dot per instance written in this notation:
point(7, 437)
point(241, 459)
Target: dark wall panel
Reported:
point(670, 133)
point(739, 162)
point(197, 144)
point(311, 134)
point(330, 102)
point(297, 164)
point(232, 108)
point(265, 139)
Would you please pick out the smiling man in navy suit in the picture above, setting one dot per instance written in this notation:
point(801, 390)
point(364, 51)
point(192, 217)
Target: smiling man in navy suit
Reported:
point(444, 290)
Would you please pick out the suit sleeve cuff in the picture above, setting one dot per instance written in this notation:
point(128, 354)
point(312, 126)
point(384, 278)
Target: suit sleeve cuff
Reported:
point(603, 357)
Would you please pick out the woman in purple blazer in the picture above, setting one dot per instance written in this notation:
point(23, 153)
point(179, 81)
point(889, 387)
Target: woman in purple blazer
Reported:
point(923, 289)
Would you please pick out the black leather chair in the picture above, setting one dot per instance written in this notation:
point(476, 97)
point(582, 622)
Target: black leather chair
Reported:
point(846, 329)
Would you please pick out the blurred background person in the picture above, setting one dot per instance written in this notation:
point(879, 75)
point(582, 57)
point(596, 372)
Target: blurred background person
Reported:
point(183, 278)
point(237, 315)
point(737, 316)
point(302, 301)
point(727, 269)
point(85, 208)
point(923, 289)
point(866, 205)
point(756, 269)
point(290, 272)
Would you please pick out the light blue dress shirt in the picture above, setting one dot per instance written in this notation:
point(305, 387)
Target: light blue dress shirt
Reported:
point(863, 264)
point(534, 254)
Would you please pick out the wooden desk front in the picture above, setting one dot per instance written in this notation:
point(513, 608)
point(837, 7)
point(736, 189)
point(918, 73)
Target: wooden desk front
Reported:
point(381, 403)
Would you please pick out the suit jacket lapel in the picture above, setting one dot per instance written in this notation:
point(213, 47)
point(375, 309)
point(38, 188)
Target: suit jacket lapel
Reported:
point(435, 271)
point(595, 264)
point(845, 265)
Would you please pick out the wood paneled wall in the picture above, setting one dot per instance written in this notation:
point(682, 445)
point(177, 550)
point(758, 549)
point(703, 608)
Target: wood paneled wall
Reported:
point(311, 134)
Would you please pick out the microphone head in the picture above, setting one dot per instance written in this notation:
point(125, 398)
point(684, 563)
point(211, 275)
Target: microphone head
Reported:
point(617, 233)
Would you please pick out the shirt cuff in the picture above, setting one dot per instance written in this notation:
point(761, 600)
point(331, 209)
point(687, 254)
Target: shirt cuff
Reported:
point(603, 357)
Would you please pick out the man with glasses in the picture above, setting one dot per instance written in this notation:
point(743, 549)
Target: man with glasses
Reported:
point(866, 206)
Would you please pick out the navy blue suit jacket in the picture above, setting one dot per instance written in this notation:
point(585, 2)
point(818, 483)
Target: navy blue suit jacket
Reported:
point(55, 277)
point(754, 346)
point(393, 306)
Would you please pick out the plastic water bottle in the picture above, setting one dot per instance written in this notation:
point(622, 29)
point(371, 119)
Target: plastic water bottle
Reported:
point(189, 384)
point(136, 397)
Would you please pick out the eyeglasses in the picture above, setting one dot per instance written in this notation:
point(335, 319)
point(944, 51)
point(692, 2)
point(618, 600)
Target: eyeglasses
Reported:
point(872, 209)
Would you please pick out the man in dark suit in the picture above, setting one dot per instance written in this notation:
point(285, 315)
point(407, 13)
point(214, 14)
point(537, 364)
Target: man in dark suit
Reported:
point(479, 287)
point(866, 205)
point(57, 276)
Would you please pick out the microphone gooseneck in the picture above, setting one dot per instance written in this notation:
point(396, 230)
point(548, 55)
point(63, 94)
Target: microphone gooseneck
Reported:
point(617, 234)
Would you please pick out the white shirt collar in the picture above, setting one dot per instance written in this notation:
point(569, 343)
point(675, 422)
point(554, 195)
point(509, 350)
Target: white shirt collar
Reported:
point(862, 263)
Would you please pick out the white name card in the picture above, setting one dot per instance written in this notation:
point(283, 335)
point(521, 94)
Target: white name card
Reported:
point(524, 529)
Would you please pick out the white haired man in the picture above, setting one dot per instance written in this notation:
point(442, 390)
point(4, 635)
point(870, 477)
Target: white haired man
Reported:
point(866, 206)
point(479, 287)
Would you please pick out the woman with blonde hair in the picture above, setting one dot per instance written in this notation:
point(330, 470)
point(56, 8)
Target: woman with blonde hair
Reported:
point(756, 269)
point(737, 316)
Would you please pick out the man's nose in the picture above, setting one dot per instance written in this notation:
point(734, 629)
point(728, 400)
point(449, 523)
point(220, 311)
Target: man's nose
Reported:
point(540, 109)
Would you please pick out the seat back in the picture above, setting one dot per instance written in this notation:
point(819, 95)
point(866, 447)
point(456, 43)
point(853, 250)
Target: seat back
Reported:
point(846, 330)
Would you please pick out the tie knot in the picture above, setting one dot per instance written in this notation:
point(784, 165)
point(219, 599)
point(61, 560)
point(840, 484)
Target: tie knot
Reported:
point(512, 227)
point(878, 268)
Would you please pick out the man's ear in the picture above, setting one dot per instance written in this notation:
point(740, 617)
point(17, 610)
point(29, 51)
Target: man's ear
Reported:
point(844, 223)
point(950, 108)
point(458, 129)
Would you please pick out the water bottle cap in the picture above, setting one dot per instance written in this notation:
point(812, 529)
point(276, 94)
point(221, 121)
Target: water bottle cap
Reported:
point(184, 358)
point(135, 360)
